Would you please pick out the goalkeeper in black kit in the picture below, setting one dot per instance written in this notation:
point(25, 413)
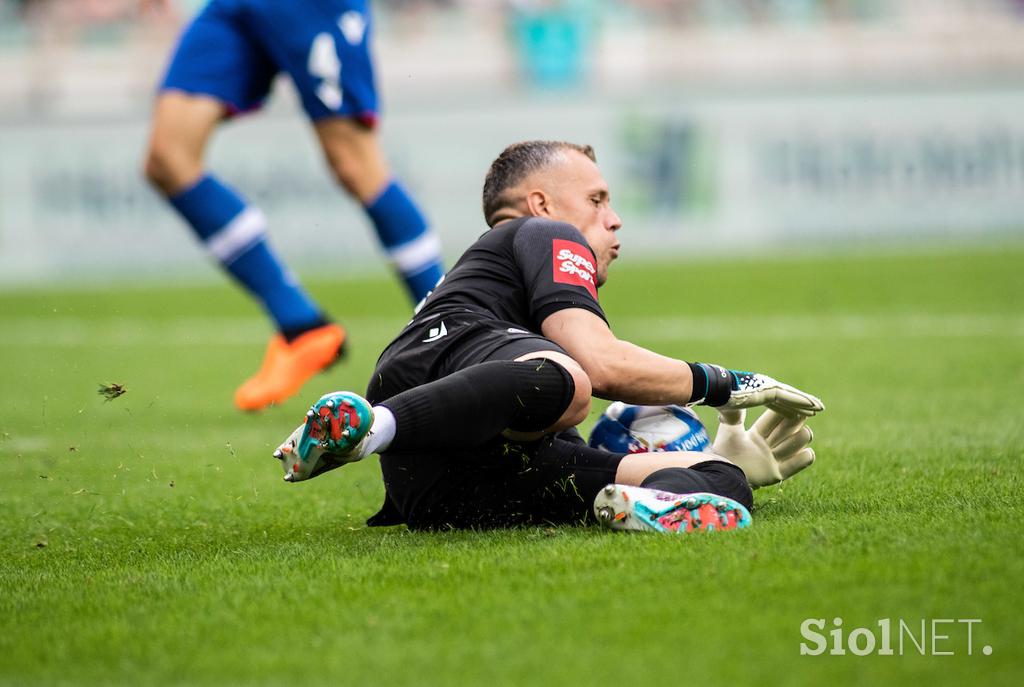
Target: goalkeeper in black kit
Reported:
point(473, 406)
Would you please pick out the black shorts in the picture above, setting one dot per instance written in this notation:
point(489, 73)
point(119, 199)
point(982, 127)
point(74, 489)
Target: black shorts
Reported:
point(435, 348)
point(500, 484)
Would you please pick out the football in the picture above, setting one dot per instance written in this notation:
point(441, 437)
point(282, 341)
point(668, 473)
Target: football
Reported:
point(624, 428)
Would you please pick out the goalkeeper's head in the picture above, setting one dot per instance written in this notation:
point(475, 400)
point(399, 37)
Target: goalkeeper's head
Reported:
point(559, 181)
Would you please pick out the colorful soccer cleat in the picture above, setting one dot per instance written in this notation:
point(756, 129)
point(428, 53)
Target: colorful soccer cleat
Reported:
point(330, 437)
point(287, 366)
point(622, 507)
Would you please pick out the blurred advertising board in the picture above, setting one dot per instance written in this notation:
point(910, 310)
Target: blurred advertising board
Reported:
point(710, 171)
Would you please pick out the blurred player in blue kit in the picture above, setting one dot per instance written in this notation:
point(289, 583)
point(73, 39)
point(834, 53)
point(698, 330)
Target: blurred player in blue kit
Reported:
point(223, 65)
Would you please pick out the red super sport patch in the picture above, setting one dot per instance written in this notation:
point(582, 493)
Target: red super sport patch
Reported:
point(573, 263)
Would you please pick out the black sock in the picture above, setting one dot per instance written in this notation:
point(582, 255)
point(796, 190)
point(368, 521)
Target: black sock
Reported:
point(292, 333)
point(711, 476)
point(474, 405)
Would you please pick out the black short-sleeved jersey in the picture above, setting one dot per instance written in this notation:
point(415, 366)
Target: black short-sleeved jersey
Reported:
point(495, 297)
point(519, 272)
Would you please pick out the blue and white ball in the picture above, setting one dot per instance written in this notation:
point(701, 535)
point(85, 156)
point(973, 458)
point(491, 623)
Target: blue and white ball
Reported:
point(626, 428)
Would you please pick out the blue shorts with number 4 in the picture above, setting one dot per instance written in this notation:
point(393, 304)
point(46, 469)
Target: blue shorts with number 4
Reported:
point(234, 48)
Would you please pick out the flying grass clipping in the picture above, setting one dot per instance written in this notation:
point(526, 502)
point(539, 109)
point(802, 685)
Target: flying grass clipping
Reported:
point(111, 390)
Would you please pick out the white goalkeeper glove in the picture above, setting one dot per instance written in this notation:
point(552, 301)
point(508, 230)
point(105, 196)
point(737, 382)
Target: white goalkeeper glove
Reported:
point(756, 389)
point(735, 389)
point(773, 449)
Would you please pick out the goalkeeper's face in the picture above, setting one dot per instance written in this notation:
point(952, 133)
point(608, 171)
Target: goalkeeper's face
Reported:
point(577, 193)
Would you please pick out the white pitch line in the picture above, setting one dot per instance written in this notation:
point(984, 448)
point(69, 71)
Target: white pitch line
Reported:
point(69, 332)
point(836, 327)
point(66, 332)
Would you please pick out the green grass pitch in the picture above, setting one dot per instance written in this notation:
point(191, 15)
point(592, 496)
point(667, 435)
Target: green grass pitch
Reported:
point(150, 539)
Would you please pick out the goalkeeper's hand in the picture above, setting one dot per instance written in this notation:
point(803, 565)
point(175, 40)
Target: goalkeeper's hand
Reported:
point(753, 389)
point(773, 449)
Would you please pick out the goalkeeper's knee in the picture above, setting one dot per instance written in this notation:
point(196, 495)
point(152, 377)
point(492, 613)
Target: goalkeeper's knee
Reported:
point(558, 393)
point(550, 394)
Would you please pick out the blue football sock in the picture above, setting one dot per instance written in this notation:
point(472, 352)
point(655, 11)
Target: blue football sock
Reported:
point(412, 246)
point(235, 234)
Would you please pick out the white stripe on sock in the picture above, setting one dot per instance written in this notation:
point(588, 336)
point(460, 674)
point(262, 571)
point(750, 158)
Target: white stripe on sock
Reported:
point(413, 256)
point(236, 236)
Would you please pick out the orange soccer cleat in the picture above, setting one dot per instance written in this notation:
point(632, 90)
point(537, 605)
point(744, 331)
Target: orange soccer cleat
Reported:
point(286, 366)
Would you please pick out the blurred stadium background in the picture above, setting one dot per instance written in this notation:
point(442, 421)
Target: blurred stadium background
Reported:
point(722, 125)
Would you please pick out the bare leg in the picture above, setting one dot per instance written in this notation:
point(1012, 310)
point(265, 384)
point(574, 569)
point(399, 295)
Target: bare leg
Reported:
point(637, 467)
point(354, 156)
point(181, 127)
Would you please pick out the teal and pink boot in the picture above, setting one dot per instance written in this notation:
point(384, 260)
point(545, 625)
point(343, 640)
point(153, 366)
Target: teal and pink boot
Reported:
point(330, 437)
point(623, 507)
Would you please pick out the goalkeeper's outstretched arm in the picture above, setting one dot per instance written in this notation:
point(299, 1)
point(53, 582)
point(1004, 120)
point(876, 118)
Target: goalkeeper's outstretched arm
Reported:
point(622, 371)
